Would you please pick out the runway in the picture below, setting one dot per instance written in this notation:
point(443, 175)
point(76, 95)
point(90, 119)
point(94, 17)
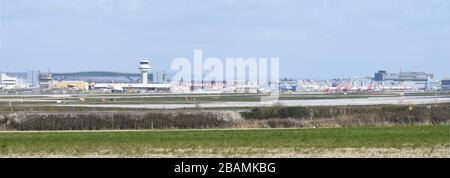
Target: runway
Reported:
point(413, 100)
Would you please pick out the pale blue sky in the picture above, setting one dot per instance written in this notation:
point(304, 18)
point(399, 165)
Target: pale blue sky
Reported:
point(312, 38)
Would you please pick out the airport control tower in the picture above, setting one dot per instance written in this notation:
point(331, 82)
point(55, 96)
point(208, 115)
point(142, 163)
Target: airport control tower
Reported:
point(144, 66)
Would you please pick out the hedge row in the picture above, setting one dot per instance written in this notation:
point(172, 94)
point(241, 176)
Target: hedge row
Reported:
point(276, 116)
point(109, 121)
point(439, 113)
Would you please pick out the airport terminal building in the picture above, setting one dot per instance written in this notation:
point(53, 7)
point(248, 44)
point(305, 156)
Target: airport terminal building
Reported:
point(105, 81)
point(99, 77)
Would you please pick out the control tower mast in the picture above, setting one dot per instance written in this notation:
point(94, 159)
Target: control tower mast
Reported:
point(144, 66)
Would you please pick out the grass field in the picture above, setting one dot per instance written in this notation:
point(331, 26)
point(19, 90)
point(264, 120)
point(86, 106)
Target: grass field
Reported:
point(16, 100)
point(396, 141)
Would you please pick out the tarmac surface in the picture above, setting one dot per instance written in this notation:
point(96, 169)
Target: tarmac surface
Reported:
point(413, 100)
